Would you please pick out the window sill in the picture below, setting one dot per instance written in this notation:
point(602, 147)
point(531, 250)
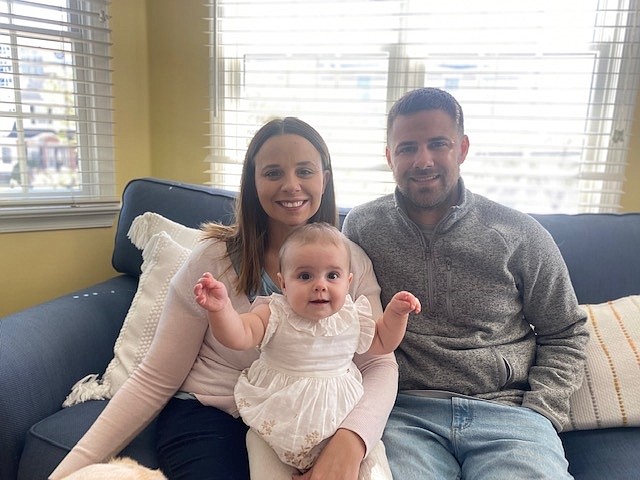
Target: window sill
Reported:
point(58, 217)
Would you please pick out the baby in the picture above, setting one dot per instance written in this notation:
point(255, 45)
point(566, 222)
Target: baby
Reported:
point(304, 384)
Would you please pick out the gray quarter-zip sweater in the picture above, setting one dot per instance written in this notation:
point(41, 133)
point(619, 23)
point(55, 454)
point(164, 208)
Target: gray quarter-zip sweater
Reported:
point(500, 320)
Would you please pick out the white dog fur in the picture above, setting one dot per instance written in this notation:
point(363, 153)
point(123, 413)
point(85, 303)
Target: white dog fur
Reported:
point(116, 469)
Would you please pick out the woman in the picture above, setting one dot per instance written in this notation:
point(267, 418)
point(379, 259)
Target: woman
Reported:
point(187, 377)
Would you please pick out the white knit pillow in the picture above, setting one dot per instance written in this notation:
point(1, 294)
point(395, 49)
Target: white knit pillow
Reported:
point(162, 257)
point(148, 224)
point(610, 393)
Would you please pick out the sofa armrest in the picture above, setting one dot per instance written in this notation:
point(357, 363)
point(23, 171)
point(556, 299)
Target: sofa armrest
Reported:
point(45, 349)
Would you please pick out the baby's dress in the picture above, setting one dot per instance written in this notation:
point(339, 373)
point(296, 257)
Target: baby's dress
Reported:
point(304, 384)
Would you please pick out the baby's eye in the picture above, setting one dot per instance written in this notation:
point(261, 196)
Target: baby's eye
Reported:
point(333, 276)
point(304, 276)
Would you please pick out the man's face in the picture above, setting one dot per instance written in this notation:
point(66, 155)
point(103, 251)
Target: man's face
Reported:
point(425, 152)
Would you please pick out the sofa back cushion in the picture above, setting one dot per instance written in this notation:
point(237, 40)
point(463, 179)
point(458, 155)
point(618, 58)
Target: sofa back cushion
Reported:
point(188, 204)
point(601, 250)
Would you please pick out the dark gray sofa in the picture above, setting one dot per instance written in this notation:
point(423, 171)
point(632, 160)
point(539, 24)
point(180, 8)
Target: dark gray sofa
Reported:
point(45, 349)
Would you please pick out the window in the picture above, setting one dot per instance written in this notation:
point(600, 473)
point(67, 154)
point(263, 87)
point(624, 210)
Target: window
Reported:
point(548, 88)
point(57, 167)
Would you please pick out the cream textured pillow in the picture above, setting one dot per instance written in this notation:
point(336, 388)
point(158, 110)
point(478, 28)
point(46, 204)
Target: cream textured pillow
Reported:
point(148, 224)
point(610, 393)
point(162, 257)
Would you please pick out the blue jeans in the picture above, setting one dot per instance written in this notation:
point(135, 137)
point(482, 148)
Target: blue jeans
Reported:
point(463, 438)
point(198, 442)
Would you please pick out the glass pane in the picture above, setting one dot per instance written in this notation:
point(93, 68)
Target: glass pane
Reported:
point(38, 115)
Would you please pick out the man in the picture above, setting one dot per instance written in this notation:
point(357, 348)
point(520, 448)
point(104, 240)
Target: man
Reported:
point(487, 368)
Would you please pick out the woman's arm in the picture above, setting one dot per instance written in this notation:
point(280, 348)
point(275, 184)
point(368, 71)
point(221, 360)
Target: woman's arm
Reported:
point(379, 372)
point(171, 356)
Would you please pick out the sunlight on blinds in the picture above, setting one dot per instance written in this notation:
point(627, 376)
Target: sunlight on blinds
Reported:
point(548, 89)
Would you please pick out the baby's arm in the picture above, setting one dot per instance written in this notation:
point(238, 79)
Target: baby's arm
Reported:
point(390, 328)
point(232, 329)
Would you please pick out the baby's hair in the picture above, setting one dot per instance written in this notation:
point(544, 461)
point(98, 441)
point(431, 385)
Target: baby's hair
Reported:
point(316, 232)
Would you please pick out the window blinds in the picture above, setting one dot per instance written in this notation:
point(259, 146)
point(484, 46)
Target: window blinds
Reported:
point(548, 89)
point(55, 114)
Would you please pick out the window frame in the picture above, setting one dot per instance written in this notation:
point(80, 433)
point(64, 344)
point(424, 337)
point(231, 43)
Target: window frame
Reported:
point(94, 204)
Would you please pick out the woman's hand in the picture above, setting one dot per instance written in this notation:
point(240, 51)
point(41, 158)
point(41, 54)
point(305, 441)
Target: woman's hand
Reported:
point(339, 460)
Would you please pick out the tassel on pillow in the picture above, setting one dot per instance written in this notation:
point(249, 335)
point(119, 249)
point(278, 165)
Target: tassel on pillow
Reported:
point(139, 231)
point(146, 225)
point(88, 388)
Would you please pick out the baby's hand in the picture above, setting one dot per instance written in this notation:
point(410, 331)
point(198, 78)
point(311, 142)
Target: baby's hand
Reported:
point(404, 303)
point(211, 293)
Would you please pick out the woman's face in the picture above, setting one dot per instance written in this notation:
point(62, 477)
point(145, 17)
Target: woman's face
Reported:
point(289, 179)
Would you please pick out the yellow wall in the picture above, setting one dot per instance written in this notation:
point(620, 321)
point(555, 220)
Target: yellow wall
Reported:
point(631, 198)
point(178, 86)
point(160, 99)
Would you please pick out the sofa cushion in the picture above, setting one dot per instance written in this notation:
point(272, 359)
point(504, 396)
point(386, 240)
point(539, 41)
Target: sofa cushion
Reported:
point(609, 395)
point(162, 259)
point(607, 453)
point(600, 250)
point(49, 440)
point(46, 348)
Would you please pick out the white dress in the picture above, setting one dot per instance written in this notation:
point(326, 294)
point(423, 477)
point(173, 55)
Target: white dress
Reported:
point(304, 384)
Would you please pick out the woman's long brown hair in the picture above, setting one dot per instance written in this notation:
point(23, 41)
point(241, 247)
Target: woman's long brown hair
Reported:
point(247, 238)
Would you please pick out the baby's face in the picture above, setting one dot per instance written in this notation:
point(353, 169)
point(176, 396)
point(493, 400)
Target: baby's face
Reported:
point(315, 279)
